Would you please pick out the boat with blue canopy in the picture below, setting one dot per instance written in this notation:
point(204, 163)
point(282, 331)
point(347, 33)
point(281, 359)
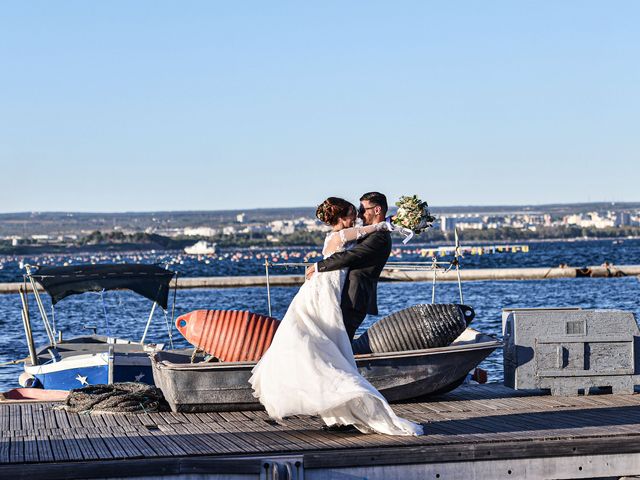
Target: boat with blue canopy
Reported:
point(64, 364)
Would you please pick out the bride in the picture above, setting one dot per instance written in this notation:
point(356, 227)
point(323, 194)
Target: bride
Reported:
point(309, 368)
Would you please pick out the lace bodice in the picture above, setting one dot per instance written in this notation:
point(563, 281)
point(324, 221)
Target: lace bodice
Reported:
point(334, 242)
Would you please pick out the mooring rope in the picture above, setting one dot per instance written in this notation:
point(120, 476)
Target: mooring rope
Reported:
point(126, 397)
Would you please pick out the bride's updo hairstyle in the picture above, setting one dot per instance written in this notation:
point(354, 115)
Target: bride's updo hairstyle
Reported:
point(333, 209)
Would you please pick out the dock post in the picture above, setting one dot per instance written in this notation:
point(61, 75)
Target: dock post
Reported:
point(266, 269)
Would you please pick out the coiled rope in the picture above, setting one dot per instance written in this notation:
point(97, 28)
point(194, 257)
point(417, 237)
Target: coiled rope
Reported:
point(125, 397)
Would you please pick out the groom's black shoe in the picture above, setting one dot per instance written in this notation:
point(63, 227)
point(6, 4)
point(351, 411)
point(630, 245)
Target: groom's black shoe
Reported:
point(340, 429)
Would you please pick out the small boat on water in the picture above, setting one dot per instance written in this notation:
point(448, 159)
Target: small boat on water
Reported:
point(64, 364)
point(223, 386)
point(201, 248)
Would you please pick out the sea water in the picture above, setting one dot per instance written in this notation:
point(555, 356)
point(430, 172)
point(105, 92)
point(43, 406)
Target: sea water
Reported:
point(127, 313)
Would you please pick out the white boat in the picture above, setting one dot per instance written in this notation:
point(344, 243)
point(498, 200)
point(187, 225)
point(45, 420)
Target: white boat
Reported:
point(90, 359)
point(201, 248)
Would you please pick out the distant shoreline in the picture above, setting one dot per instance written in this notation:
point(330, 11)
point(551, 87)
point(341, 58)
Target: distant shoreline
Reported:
point(142, 247)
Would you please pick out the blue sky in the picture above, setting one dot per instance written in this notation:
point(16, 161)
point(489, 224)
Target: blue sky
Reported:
point(129, 106)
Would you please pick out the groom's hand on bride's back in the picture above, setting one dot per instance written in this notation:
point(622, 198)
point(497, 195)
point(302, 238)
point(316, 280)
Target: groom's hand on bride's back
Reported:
point(311, 269)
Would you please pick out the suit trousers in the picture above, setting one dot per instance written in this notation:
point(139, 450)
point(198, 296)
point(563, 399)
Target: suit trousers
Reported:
point(352, 320)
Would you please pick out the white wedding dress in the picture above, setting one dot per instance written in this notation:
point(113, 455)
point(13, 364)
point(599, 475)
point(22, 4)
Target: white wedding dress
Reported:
point(309, 368)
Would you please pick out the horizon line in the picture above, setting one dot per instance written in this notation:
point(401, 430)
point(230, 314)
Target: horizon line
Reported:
point(129, 212)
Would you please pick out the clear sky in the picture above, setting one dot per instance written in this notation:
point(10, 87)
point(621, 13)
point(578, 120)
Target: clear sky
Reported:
point(154, 105)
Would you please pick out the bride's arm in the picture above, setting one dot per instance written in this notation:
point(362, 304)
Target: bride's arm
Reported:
point(354, 233)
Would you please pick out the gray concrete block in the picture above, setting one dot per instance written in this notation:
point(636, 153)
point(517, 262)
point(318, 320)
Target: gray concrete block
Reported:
point(569, 349)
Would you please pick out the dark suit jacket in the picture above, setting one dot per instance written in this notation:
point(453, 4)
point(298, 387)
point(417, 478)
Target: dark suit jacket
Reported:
point(365, 261)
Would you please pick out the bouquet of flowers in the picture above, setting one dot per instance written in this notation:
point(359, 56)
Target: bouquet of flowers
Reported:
point(413, 216)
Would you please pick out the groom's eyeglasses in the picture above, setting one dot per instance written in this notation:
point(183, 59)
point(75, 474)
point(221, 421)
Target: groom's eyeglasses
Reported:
point(363, 209)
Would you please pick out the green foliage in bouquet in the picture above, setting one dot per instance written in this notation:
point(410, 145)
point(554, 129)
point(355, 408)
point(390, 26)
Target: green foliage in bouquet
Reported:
point(413, 214)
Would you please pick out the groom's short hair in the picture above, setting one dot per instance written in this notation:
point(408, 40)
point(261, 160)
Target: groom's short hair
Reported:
point(378, 199)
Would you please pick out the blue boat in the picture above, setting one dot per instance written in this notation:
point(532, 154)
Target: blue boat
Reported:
point(90, 359)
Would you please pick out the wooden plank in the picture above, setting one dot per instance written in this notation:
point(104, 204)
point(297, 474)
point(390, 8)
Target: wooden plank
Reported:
point(201, 442)
point(16, 454)
point(227, 416)
point(45, 453)
point(158, 418)
point(178, 433)
point(37, 414)
point(155, 444)
point(130, 419)
point(116, 448)
point(99, 446)
point(59, 450)
point(98, 420)
point(219, 429)
point(171, 445)
point(5, 447)
point(125, 448)
point(109, 420)
point(85, 419)
point(49, 417)
point(30, 449)
point(86, 448)
point(216, 417)
point(5, 418)
point(179, 417)
point(144, 418)
point(236, 443)
point(141, 445)
point(26, 417)
point(319, 439)
point(61, 418)
point(15, 422)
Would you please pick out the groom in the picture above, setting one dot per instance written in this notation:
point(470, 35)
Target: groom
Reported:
point(365, 262)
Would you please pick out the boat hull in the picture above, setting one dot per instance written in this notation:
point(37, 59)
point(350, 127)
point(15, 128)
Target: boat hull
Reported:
point(399, 376)
point(86, 361)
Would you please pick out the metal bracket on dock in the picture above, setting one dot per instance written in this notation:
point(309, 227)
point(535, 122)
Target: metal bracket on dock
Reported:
point(283, 468)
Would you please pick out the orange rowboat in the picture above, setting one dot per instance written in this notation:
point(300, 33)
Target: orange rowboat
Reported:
point(229, 335)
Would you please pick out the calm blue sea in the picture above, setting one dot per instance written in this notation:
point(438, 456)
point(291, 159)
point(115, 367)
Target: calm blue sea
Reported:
point(126, 313)
point(249, 261)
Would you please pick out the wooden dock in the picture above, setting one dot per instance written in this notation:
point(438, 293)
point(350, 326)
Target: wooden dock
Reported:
point(474, 432)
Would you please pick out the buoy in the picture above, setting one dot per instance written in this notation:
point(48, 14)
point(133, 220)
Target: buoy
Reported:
point(415, 328)
point(229, 335)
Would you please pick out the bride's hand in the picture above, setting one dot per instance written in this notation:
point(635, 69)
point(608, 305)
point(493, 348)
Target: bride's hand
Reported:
point(386, 225)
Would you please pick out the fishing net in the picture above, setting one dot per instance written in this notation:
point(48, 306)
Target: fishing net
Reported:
point(126, 397)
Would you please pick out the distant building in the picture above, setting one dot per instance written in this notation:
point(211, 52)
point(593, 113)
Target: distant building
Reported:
point(623, 219)
point(462, 222)
point(283, 227)
point(590, 219)
point(240, 217)
point(199, 232)
point(40, 237)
